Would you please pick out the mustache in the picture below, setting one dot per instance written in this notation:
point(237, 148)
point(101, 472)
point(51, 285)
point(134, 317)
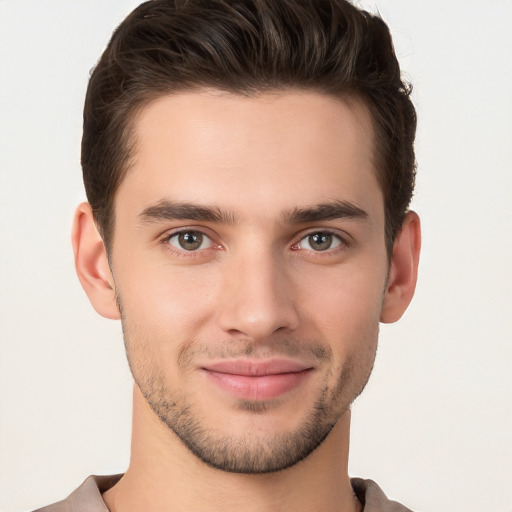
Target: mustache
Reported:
point(291, 347)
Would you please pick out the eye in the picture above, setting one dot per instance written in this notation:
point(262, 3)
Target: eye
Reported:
point(190, 240)
point(320, 241)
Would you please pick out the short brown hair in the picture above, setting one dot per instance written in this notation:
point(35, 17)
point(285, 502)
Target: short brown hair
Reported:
point(247, 47)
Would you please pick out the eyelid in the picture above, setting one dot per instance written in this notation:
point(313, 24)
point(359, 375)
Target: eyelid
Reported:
point(344, 238)
point(165, 237)
point(205, 240)
point(187, 228)
point(337, 241)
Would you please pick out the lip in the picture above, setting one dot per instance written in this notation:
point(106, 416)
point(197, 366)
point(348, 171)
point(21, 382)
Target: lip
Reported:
point(257, 380)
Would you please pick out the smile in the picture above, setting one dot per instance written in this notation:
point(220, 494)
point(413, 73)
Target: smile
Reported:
point(257, 380)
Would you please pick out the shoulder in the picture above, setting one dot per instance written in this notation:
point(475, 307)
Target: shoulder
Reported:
point(373, 498)
point(87, 497)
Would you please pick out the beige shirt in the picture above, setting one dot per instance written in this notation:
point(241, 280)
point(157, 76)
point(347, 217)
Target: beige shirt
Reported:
point(87, 498)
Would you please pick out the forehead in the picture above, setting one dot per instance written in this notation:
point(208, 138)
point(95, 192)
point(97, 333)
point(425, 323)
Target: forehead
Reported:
point(282, 149)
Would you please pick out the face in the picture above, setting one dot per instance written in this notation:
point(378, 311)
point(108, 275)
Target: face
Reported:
point(250, 266)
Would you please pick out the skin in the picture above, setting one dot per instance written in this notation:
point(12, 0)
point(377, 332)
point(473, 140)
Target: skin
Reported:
point(256, 289)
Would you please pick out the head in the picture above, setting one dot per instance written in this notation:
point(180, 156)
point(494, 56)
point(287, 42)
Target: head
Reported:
point(247, 48)
point(248, 166)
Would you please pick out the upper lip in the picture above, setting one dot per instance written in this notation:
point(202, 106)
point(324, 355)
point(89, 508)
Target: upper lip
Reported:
point(256, 368)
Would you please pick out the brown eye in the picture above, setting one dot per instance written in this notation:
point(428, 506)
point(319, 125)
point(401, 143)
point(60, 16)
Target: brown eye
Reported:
point(190, 240)
point(320, 241)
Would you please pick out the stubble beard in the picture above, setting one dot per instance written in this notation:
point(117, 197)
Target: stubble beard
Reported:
point(228, 453)
point(241, 454)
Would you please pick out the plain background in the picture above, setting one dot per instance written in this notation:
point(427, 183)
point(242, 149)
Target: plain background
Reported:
point(434, 425)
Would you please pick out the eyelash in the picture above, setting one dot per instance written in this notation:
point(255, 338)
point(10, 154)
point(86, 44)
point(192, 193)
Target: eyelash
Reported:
point(165, 241)
point(343, 243)
point(183, 253)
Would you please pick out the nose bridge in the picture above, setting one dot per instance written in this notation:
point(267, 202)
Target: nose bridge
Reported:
point(258, 298)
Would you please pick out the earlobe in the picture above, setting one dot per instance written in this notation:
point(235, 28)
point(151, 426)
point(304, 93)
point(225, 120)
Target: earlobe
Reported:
point(91, 263)
point(403, 271)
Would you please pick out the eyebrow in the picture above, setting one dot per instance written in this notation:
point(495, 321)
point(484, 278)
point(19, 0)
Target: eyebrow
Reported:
point(325, 211)
point(170, 210)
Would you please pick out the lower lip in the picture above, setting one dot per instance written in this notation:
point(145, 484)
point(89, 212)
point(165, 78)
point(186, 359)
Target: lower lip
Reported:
point(258, 388)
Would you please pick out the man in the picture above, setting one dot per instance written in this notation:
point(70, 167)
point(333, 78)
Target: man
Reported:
point(249, 167)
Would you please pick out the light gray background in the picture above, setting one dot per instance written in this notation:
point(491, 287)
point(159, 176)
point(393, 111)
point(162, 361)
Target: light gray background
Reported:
point(434, 425)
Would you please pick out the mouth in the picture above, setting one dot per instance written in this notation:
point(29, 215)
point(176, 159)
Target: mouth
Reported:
point(257, 380)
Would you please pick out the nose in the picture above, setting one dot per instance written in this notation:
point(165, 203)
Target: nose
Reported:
point(257, 299)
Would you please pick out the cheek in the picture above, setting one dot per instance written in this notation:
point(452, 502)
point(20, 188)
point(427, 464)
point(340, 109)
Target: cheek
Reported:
point(165, 303)
point(345, 310)
point(345, 292)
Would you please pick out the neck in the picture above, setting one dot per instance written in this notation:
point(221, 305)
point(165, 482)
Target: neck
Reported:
point(164, 475)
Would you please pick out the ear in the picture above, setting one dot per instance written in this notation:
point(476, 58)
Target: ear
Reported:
point(403, 270)
point(91, 263)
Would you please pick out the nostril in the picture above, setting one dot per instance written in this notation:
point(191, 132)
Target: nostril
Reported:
point(257, 300)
